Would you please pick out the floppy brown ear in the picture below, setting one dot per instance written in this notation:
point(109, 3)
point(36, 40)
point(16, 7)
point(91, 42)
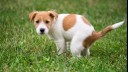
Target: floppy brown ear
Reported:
point(32, 15)
point(53, 14)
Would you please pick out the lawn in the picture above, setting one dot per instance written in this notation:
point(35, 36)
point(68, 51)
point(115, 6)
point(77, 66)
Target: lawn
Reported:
point(23, 50)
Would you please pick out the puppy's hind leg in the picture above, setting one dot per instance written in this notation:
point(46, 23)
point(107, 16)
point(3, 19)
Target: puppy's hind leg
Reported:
point(77, 44)
point(86, 52)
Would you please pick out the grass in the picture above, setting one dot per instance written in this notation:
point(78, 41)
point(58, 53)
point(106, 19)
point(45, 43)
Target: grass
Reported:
point(23, 50)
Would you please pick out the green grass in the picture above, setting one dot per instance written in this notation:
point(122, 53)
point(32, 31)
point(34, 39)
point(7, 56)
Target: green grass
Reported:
point(23, 50)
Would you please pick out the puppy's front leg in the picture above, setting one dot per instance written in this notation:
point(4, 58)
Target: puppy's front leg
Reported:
point(61, 46)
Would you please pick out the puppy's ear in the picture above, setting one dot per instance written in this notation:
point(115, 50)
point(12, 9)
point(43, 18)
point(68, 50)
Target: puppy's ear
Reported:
point(53, 14)
point(32, 15)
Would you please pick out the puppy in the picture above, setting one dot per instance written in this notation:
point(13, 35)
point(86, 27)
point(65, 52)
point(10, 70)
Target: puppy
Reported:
point(69, 27)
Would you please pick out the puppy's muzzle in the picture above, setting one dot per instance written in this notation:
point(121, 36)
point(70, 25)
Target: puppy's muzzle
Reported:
point(42, 30)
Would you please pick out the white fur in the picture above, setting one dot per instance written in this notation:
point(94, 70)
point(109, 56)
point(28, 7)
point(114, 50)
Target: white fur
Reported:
point(42, 25)
point(116, 25)
point(56, 33)
point(76, 34)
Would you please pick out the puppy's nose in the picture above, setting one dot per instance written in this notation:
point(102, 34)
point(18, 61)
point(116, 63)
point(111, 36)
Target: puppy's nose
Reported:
point(42, 30)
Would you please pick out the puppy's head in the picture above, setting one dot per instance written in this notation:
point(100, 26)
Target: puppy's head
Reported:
point(43, 20)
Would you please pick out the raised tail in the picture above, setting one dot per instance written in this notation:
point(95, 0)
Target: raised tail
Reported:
point(97, 35)
point(103, 32)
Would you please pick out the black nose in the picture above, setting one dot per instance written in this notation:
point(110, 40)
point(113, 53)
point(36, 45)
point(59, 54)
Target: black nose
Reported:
point(42, 30)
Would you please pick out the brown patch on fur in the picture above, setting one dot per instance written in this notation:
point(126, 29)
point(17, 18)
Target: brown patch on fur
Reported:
point(69, 21)
point(89, 40)
point(85, 20)
point(106, 30)
point(95, 36)
point(44, 16)
point(53, 14)
point(32, 15)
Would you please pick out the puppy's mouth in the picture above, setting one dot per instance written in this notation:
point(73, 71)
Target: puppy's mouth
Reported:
point(41, 33)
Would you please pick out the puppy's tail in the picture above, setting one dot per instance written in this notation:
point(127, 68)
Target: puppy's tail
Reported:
point(97, 35)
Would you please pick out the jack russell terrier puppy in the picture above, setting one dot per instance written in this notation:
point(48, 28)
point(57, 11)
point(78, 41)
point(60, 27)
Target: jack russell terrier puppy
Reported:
point(69, 27)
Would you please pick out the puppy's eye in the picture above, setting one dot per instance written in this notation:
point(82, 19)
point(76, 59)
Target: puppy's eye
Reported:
point(37, 21)
point(46, 21)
